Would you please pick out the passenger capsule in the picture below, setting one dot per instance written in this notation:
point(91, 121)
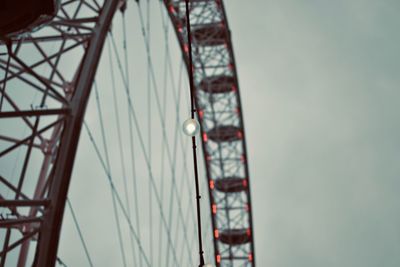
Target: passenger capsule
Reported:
point(234, 236)
point(218, 84)
point(209, 35)
point(224, 133)
point(230, 185)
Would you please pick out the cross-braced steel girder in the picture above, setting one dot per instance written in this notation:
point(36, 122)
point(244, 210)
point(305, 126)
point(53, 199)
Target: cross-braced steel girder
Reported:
point(45, 82)
point(48, 74)
point(223, 137)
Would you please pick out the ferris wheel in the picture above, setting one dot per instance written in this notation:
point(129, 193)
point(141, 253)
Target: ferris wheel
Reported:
point(106, 74)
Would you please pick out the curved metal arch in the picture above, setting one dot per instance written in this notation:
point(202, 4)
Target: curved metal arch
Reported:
point(83, 26)
point(47, 203)
point(219, 112)
point(49, 235)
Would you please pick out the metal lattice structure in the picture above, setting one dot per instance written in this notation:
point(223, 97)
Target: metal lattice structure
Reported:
point(48, 132)
point(53, 126)
point(220, 115)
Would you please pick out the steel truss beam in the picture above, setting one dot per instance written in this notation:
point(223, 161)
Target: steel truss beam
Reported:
point(47, 130)
point(223, 136)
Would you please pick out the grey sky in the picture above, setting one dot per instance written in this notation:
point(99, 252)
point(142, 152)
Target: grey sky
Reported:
point(319, 83)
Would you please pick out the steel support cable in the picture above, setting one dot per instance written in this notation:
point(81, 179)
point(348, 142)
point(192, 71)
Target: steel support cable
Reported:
point(78, 228)
point(162, 174)
point(177, 121)
point(143, 147)
point(177, 100)
point(174, 15)
point(106, 149)
point(118, 123)
point(153, 78)
point(144, 150)
point(192, 106)
point(115, 192)
point(182, 146)
point(121, 156)
point(149, 133)
point(169, 61)
point(103, 135)
point(131, 146)
point(61, 263)
point(157, 97)
point(148, 119)
point(183, 151)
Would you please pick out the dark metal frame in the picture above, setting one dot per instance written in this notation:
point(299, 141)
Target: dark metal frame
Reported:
point(63, 101)
point(225, 156)
point(54, 124)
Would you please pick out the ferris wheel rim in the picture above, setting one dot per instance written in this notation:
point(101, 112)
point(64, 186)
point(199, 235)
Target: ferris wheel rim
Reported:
point(70, 136)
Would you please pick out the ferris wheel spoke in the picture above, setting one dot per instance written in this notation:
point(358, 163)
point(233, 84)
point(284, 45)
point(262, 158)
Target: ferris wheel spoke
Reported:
point(78, 228)
point(141, 150)
point(99, 109)
point(166, 143)
point(116, 194)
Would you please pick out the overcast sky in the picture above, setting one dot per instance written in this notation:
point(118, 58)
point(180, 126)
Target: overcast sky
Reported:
point(320, 88)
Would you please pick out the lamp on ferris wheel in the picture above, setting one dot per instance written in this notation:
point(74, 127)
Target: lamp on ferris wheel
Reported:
point(191, 127)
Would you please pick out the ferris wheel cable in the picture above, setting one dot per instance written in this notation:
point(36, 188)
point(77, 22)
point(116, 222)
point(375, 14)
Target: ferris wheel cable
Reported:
point(78, 228)
point(162, 121)
point(192, 106)
point(117, 58)
point(107, 161)
point(131, 109)
point(176, 97)
point(119, 139)
point(149, 132)
point(62, 263)
point(177, 118)
point(115, 50)
point(131, 147)
point(160, 236)
point(115, 192)
point(118, 128)
point(116, 113)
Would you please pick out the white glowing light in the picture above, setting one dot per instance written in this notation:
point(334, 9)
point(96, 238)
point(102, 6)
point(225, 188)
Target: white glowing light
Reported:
point(191, 127)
